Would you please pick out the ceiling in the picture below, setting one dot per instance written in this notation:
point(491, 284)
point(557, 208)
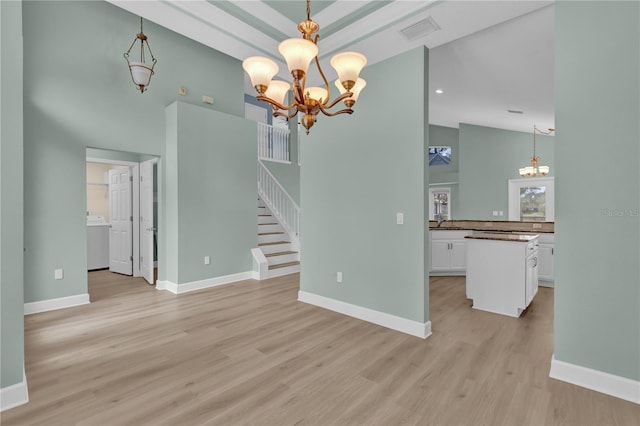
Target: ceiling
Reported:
point(487, 57)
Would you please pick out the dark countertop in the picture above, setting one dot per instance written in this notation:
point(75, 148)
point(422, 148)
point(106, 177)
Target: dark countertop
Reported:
point(503, 236)
point(493, 226)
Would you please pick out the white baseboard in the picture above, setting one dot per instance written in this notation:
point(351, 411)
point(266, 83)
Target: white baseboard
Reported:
point(414, 328)
point(202, 284)
point(54, 304)
point(14, 395)
point(599, 381)
point(260, 264)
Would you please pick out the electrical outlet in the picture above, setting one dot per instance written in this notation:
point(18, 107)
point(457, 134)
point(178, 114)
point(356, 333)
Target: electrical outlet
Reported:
point(207, 260)
point(339, 277)
point(58, 274)
point(501, 213)
point(537, 225)
point(495, 212)
point(207, 99)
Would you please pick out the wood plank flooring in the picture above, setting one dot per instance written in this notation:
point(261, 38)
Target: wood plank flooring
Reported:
point(249, 353)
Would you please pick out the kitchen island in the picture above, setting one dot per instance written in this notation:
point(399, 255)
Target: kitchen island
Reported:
point(502, 271)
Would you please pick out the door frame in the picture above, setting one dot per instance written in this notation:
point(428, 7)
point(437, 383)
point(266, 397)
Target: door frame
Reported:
point(135, 194)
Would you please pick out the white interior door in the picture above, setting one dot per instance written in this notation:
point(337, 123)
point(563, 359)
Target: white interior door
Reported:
point(147, 226)
point(120, 211)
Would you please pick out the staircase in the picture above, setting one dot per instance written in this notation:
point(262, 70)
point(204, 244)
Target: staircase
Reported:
point(275, 244)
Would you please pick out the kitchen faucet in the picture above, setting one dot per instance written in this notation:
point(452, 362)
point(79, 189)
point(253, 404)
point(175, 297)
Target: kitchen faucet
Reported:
point(440, 219)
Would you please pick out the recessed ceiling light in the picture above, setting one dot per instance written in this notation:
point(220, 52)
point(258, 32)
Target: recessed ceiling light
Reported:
point(439, 91)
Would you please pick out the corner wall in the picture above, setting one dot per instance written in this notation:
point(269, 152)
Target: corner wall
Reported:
point(357, 172)
point(597, 291)
point(211, 160)
point(11, 203)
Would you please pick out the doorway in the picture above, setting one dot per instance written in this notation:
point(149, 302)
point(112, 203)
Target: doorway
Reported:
point(122, 213)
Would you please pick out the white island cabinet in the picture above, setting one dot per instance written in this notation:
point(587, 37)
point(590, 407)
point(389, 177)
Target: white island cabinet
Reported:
point(502, 271)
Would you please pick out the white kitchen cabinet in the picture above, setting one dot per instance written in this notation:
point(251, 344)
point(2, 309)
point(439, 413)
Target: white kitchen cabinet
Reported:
point(545, 257)
point(448, 252)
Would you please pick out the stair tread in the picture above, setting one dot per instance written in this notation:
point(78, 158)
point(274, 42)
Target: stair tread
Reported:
point(273, 243)
point(284, 265)
point(280, 253)
point(270, 233)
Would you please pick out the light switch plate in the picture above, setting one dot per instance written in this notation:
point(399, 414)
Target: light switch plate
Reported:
point(58, 274)
point(207, 260)
point(339, 277)
point(400, 218)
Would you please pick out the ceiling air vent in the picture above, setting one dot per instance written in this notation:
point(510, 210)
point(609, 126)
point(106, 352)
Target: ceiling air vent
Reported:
point(420, 29)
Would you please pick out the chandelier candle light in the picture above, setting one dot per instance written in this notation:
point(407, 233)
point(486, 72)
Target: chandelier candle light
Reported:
point(298, 53)
point(141, 72)
point(534, 169)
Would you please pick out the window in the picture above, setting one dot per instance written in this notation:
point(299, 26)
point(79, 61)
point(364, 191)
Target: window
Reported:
point(439, 203)
point(439, 155)
point(531, 200)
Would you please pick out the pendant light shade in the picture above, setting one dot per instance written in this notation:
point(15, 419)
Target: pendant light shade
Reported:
point(360, 84)
point(298, 52)
point(141, 73)
point(261, 70)
point(348, 66)
point(317, 93)
point(278, 90)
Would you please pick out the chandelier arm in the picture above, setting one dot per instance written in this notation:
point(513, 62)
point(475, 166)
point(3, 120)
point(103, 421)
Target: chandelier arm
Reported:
point(153, 58)
point(276, 104)
point(326, 83)
point(282, 114)
point(333, 114)
point(338, 99)
point(126, 54)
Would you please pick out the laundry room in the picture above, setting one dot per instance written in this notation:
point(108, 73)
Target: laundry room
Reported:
point(98, 219)
point(121, 213)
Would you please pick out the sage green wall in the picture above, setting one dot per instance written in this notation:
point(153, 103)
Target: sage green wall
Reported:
point(446, 174)
point(86, 99)
point(11, 195)
point(214, 156)
point(489, 157)
point(597, 104)
point(105, 154)
point(357, 172)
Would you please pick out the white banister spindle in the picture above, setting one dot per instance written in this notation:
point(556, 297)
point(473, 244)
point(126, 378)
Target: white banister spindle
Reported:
point(273, 143)
point(279, 202)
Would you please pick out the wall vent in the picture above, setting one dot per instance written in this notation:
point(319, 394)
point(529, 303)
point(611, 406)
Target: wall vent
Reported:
point(515, 111)
point(420, 29)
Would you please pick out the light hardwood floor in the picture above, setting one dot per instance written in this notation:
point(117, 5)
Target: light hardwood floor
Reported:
point(249, 353)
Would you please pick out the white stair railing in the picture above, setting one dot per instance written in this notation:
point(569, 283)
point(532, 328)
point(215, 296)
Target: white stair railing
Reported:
point(273, 143)
point(279, 202)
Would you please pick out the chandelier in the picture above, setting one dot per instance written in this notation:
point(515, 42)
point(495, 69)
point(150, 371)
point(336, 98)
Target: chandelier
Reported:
point(298, 53)
point(535, 169)
point(141, 72)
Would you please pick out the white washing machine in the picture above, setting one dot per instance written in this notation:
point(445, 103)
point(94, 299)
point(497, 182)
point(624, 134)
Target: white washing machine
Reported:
point(97, 243)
